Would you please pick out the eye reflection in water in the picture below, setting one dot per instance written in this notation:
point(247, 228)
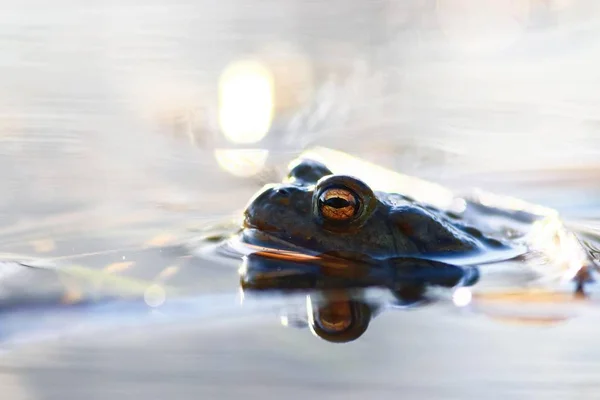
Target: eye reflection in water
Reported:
point(336, 317)
point(339, 293)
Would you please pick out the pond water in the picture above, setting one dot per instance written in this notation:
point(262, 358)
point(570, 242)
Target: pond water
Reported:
point(113, 153)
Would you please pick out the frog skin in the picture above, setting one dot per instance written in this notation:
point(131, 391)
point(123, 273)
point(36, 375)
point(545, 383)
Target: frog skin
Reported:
point(316, 212)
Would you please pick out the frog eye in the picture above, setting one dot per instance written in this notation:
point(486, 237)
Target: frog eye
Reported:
point(338, 204)
point(342, 203)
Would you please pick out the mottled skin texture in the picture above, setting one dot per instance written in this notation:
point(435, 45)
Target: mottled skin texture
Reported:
point(285, 216)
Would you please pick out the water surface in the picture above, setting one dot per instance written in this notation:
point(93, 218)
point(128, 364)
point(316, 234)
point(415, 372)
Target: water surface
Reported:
point(107, 138)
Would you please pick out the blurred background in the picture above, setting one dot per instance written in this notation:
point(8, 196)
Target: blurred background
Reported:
point(128, 101)
point(121, 119)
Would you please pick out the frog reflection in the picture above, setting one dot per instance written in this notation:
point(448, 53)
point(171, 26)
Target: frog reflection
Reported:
point(337, 307)
point(338, 317)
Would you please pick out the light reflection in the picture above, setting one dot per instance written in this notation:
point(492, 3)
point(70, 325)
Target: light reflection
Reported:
point(527, 296)
point(310, 314)
point(242, 162)
point(551, 320)
point(241, 296)
point(246, 101)
point(459, 205)
point(561, 247)
point(243, 269)
point(382, 179)
point(155, 296)
point(512, 203)
point(285, 321)
point(44, 245)
point(462, 297)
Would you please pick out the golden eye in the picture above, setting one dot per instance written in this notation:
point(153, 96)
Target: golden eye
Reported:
point(338, 204)
point(336, 317)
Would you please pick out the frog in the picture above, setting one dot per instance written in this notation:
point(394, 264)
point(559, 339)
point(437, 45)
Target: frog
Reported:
point(316, 211)
point(326, 230)
point(332, 222)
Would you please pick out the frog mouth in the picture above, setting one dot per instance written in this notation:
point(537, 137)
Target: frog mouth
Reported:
point(264, 240)
point(259, 239)
point(249, 243)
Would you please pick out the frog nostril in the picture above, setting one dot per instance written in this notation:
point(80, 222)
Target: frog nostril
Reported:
point(282, 192)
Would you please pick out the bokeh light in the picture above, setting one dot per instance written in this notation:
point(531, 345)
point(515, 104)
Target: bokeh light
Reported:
point(155, 296)
point(242, 162)
point(462, 297)
point(284, 320)
point(246, 101)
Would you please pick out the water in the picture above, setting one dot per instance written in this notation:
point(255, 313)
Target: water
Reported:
point(41, 342)
point(107, 137)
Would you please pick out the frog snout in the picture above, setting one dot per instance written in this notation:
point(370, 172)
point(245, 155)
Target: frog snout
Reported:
point(266, 205)
point(275, 196)
point(281, 192)
point(281, 197)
